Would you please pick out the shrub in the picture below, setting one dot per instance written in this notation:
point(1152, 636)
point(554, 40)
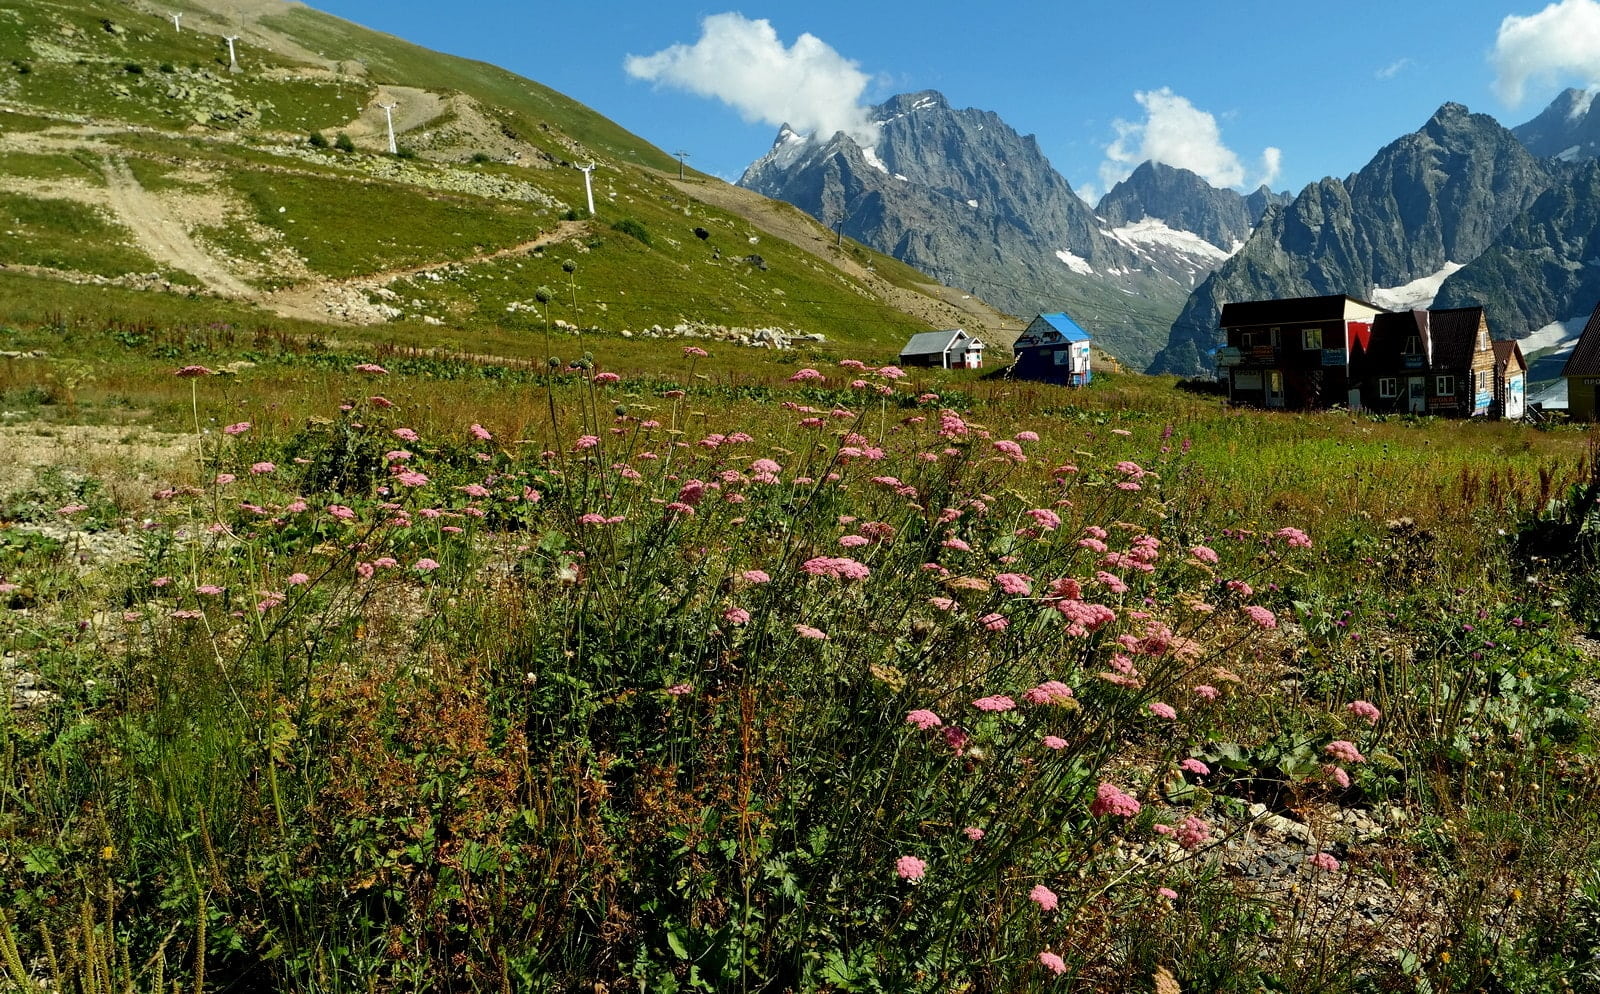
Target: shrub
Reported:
point(628, 226)
point(318, 140)
point(344, 143)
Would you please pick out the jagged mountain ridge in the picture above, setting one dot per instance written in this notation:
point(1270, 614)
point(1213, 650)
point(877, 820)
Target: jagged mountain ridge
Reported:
point(1433, 199)
point(1568, 129)
point(962, 195)
point(1184, 201)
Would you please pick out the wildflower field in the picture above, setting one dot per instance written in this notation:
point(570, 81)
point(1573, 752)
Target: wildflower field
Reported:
point(693, 670)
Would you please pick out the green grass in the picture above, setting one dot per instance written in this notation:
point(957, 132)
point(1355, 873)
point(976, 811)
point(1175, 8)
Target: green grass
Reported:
point(61, 234)
point(346, 228)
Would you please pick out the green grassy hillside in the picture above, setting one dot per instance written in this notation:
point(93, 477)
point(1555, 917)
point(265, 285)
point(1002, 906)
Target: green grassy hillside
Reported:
point(133, 148)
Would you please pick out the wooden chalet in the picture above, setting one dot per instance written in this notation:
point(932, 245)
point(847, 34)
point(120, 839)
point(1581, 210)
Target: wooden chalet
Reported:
point(1582, 372)
point(952, 349)
point(1055, 349)
point(1510, 381)
point(1427, 362)
point(1293, 353)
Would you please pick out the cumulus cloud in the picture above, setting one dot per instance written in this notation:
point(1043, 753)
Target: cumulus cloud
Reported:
point(1180, 134)
point(743, 63)
point(1559, 43)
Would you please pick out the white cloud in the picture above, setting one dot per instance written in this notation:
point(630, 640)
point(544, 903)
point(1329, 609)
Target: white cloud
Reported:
point(1560, 43)
point(1179, 134)
point(742, 62)
point(1393, 69)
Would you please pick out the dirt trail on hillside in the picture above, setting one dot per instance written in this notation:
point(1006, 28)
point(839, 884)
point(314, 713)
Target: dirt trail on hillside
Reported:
point(935, 303)
point(346, 300)
point(162, 237)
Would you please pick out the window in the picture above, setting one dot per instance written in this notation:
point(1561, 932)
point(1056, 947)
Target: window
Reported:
point(1274, 334)
point(1313, 339)
point(1444, 386)
point(1388, 387)
point(1247, 339)
point(1413, 345)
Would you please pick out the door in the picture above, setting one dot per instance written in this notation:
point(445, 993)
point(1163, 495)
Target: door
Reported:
point(1514, 393)
point(1275, 388)
point(1417, 394)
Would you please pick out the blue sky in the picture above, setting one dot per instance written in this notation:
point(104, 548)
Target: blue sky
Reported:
point(1238, 90)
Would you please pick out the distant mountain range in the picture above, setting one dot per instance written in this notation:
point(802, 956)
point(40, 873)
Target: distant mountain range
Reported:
point(961, 195)
point(1461, 211)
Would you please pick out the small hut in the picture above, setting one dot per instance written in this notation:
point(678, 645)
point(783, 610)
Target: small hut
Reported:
point(953, 349)
point(1053, 348)
point(1582, 372)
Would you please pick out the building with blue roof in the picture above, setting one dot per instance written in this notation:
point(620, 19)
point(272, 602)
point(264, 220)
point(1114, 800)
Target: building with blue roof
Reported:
point(1053, 348)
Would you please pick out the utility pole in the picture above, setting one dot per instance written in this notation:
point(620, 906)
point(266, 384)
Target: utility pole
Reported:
point(838, 223)
point(388, 115)
point(233, 57)
point(176, 18)
point(588, 186)
point(681, 154)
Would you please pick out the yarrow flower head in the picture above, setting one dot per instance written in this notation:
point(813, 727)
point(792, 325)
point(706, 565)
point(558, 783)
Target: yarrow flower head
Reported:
point(371, 368)
point(1261, 616)
point(1324, 861)
point(190, 372)
point(1044, 897)
point(997, 702)
point(1049, 692)
point(1365, 710)
point(1344, 751)
point(1111, 800)
point(807, 375)
point(1161, 710)
point(923, 718)
point(1193, 765)
point(910, 868)
point(1055, 964)
point(237, 429)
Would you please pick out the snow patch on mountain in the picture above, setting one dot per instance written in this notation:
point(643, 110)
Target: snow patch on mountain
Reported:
point(1557, 336)
point(1151, 231)
point(1076, 263)
point(1418, 293)
point(871, 155)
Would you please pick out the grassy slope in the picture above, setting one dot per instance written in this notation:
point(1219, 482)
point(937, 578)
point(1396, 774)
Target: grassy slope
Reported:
point(348, 216)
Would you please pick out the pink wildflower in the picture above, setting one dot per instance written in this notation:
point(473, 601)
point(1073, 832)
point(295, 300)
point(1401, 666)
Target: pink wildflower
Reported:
point(1055, 964)
point(807, 632)
point(1261, 616)
point(607, 378)
point(1013, 583)
point(923, 719)
point(371, 368)
point(1204, 553)
point(1295, 538)
point(1053, 742)
point(1044, 897)
point(189, 372)
point(910, 868)
point(411, 478)
point(995, 622)
point(1161, 710)
point(1167, 892)
point(755, 576)
point(695, 351)
point(679, 690)
point(404, 434)
point(942, 603)
point(479, 432)
point(1207, 692)
point(1323, 861)
point(1193, 765)
point(297, 579)
point(425, 564)
point(262, 468)
point(223, 479)
point(1110, 800)
point(891, 372)
point(586, 442)
point(1365, 710)
point(854, 541)
point(996, 702)
point(1344, 751)
point(1049, 692)
point(807, 375)
point(237, 429)
point(736, 616)
point(973, 833)
point(1337, 774)
point(1027, 436)
point(1045, 518)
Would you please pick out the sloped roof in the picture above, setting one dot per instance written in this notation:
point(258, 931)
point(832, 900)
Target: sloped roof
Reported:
point(1585, 358)
point(1504, 352)
point(1068, 328)
point(1291, 310)
point(1389, 333)
point(1455, 336)
point(932, 342)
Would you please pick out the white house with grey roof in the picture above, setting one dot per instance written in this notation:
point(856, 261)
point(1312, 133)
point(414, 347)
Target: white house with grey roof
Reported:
point(953, 349)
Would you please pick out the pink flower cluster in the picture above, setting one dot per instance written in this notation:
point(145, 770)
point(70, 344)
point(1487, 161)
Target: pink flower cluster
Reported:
point(1049, 692)
point(842, 567)
point(1112, 800)
point(1344, 751)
